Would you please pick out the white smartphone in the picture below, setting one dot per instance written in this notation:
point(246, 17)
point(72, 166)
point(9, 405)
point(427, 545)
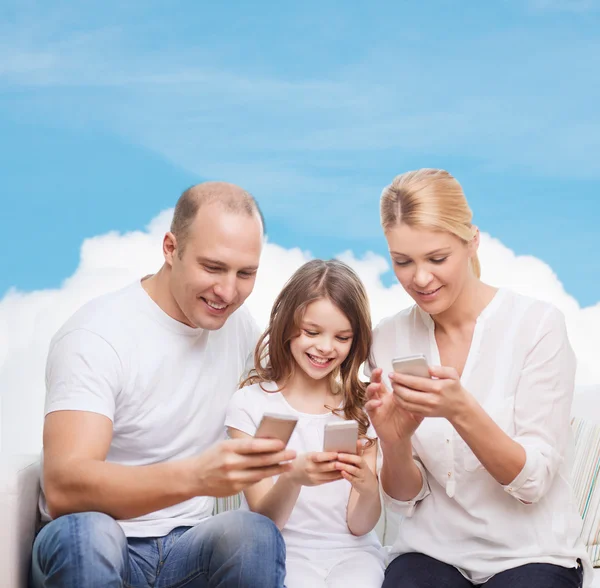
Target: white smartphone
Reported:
point(412, 365)
point(276, 426)
point(341, 437)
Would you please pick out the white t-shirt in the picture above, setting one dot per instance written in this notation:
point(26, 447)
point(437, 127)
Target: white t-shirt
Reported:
point(318, 521)
point(164, 385)
point(521, 370)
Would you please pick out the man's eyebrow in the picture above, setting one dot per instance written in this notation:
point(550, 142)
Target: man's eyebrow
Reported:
point(439, 250)
point(217, 263)
point(211, 261)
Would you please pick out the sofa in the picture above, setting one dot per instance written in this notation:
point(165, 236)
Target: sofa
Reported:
point(19, 492)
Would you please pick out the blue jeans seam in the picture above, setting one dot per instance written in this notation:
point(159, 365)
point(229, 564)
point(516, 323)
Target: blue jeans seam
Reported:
point(183, 581)
point(75, 531)
point(161, 559)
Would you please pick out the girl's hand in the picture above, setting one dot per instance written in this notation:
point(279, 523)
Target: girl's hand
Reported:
point(391, 421)
point(314, 469)
point(356, 470)
point(443, 396)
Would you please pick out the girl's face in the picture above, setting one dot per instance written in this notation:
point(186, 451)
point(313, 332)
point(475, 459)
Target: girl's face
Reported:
point(324, 340)
point(432, 266)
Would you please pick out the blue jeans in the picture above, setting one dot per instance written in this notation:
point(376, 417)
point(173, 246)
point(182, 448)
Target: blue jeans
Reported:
point(415, 570)
point(90, 550)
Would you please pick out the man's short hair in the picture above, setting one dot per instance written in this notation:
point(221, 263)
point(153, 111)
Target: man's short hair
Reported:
point(231, 197)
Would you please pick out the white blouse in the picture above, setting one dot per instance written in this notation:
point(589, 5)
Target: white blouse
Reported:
point(521, 369)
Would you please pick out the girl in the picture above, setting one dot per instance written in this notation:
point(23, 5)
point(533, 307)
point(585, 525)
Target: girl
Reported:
point(307, 364)
point(473, 458)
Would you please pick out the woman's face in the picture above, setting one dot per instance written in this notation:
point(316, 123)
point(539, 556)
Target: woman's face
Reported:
point(432, 266)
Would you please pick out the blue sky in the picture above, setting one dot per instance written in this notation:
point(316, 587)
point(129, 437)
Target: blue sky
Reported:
point(108, 110)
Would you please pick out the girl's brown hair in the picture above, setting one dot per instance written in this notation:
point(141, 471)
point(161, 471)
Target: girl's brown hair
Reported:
point(273, 360)
point(430, 199)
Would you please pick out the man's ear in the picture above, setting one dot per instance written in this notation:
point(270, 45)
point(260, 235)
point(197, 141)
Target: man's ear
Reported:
point(169, 248)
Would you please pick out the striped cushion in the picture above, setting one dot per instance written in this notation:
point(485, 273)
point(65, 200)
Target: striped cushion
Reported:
point(225, 504)
point(586, 483)
point(584, 478)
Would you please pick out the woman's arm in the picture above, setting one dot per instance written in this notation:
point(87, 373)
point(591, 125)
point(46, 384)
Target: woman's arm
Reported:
point(526, 463)
point(503, 457)
point(542, 414)
point(402, 480)
point(364, 504)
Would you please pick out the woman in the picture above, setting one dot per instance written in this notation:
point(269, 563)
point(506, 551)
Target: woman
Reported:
point(473, 457)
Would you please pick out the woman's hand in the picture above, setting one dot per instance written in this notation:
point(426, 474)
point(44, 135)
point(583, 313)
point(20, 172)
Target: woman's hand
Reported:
point(439, 396)
point(356, 470)
point(390, 419)
point(314, 469)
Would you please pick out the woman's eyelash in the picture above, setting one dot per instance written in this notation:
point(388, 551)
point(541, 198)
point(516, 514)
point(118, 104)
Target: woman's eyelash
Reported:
point(438, 260)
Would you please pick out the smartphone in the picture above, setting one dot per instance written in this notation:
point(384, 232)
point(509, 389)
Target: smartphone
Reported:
point(276, 426)
point(341, 436)
point(412, 365)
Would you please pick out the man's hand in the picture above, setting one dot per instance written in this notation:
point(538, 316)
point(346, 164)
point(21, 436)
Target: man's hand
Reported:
point(230, 466)
point(391, 421)
point(314, 469)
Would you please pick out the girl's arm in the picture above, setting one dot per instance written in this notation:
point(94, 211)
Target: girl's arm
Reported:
point(276, 500)
point(364, 504)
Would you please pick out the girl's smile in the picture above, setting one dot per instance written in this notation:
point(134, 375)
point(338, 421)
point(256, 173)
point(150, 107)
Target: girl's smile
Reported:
point(324, 340)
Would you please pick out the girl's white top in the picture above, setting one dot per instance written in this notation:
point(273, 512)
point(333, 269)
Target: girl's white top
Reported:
point(318, 520)
point(521, 369)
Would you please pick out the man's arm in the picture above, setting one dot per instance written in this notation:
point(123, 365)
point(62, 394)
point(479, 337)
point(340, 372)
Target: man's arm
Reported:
point(77, 478)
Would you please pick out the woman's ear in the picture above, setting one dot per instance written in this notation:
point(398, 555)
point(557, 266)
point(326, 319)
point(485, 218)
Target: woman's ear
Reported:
point(474, 242)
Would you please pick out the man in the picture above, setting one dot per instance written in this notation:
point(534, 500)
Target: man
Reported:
point(137, 386)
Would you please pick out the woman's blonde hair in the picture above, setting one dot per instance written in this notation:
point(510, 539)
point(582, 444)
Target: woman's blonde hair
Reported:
point(315, 280)
point(429, 199)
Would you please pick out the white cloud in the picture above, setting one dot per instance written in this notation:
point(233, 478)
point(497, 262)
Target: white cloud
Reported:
point(28, 320)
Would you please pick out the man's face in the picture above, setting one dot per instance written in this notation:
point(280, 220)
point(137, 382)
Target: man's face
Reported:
point(217, 270)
